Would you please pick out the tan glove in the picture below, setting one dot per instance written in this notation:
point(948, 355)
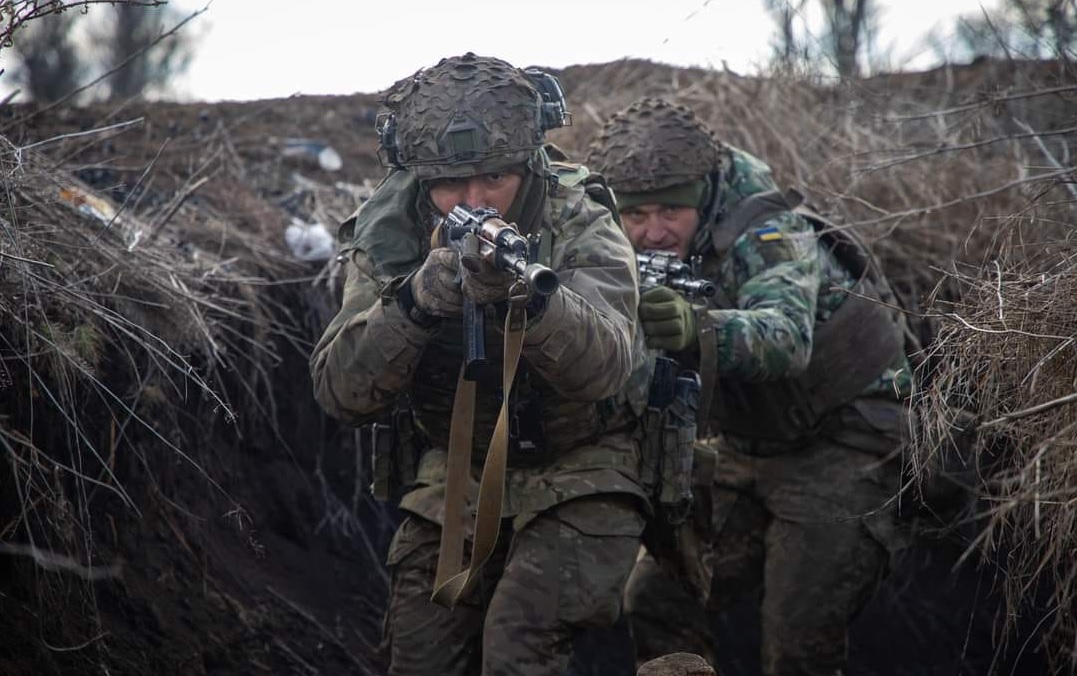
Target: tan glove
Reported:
point(434, 286)
point(483, 283)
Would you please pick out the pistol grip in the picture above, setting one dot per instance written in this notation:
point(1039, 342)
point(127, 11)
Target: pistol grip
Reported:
point(475, 362)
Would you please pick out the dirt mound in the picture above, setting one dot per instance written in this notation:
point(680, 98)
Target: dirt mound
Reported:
point(176, 501)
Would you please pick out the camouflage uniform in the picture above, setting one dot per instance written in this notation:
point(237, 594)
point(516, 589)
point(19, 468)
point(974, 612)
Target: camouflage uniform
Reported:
point(806, 520)
point(573, 513)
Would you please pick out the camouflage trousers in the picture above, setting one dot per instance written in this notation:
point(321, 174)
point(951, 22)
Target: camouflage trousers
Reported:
point(564, 571)
point(809, 531)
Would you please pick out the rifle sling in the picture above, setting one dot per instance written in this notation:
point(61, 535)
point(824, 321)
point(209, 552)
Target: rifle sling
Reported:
point(451, 550)
point(452, 582)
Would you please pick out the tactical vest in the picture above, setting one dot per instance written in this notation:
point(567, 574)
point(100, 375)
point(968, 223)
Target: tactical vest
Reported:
point(850, 349)
point(543, 422)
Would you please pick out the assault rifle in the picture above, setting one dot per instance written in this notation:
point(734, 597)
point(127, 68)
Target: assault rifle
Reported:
point(665, 268)
point(481, 231)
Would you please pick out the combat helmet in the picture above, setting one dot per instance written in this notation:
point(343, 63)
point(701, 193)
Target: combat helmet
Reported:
point(468, 115)
point(654, 144)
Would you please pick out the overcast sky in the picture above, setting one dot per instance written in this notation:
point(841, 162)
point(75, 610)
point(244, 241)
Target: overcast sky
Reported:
point(253, 49)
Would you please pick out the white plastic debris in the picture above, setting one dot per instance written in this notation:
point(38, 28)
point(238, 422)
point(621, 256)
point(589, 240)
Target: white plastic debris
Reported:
point(329, 159)
point(324, 154)
point(309, 241)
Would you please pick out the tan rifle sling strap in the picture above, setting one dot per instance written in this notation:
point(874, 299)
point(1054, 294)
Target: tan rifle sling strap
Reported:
point(452, 582)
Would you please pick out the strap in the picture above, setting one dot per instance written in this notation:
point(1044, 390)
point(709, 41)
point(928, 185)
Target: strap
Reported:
point(436, 238)
point(599, 190)
point(708, 370)
point(545, 256)
point(457, 471)
point(753, 209)
point(451, 582)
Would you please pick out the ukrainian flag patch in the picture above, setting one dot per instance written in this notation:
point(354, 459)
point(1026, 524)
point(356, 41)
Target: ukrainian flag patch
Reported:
point(771, 234)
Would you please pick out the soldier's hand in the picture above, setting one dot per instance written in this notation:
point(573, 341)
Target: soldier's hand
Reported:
point(668, 320)
point(483, 283)
point(434, 286)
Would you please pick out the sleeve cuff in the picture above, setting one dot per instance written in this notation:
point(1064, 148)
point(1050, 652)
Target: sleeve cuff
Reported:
point(405, 299)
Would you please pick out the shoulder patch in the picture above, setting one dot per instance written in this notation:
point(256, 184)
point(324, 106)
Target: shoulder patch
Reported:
point(769, 234)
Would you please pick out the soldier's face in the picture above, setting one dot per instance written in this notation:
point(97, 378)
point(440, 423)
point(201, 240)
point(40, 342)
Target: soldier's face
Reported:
point(661, 227)
point(494, 190)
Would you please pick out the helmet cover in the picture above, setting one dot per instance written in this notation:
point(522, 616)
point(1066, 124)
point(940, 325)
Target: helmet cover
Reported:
point(654, 144)
point(467, 115)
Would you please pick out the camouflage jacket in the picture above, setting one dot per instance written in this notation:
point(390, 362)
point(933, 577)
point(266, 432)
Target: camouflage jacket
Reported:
point(777, 284)
point(577, 354)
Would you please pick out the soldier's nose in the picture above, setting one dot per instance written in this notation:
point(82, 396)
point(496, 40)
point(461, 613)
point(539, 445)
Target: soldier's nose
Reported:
point(476, 195)
point(653, 235)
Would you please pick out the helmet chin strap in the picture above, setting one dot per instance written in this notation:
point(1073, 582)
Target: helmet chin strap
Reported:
point(527, 207)
point(429, 216)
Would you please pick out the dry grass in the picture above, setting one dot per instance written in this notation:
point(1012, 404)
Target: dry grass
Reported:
point(1008, 355)
point(119, 350)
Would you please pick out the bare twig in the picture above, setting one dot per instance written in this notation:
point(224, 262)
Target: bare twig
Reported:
point(64, 99)
point(77, 134)
point(324, 631)
point(308, 668)
point(987, 101)
point(1072, 187)
point(53, 562)
point(961, 147)
point(177, 202)
point(1031, 410)
point(21, 13)
point(75, 648)
point(26, 260)
point(924, 211)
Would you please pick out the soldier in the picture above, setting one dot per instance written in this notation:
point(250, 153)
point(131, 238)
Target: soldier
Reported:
point(803, 376)
point(470, 130)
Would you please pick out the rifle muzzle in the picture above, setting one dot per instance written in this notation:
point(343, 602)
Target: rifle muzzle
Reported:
point(539, 278)
point(697, 288)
